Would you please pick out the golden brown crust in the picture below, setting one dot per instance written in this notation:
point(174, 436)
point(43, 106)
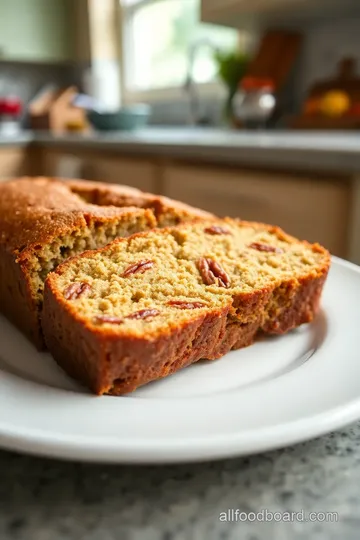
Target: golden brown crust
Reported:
point(109, 363)
point(36, 211)
point(167, 211)
point(16, 300)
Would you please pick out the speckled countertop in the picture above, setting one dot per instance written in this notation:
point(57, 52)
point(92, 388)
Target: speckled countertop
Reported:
point(337, 151)
point(50, 500)
point(22, 139)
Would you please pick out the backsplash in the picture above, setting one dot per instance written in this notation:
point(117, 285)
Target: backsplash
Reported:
point(326, 43)
point(25, 79)
point(177, 112)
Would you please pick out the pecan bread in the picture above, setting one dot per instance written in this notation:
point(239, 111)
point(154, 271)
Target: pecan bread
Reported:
point(44, 221)
point(145, 306)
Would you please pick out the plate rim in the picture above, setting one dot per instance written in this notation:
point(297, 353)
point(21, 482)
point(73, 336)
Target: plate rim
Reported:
point(222, 446)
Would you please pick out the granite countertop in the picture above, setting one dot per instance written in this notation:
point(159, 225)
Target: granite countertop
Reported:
point(338, 152)
point(51, 500)
point(22, 139)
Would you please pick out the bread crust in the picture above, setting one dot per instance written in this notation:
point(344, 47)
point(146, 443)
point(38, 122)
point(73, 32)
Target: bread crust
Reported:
point(167, 211)
point(113, 364)
point(36, 211)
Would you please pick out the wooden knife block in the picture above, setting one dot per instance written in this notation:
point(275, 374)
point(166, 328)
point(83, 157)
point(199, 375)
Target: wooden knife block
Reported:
point(275, 57)
point(54, 111)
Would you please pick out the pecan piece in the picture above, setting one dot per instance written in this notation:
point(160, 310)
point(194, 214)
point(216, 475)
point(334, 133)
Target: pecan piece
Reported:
point(75, 290)
point(213, 273)
point(109, 319)
point(182, 304)
point(138, 268)
point(216, 229)
point(266, 247)
point(143, 314)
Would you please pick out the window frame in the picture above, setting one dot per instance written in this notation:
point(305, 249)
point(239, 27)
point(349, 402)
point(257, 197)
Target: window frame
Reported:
point(211, 89)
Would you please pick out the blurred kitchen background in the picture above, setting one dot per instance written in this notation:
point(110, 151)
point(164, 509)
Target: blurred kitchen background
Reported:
point(246, 108)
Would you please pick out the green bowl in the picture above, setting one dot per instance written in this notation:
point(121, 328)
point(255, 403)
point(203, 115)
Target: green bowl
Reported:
point(126, 119)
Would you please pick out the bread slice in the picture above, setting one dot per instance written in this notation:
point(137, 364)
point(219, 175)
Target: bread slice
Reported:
point(44, 221)
point(145, 306)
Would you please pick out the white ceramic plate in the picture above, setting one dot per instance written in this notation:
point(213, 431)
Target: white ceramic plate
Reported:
point(277, 392)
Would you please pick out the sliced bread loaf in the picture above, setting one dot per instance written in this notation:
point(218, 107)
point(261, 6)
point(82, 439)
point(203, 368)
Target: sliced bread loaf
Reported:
point(145, 306)
point(44, 221)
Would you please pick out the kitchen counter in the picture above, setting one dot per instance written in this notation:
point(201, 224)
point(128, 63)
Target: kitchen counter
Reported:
point(22, 139)
point(306, 151)
point(50, 500)
point(336, 152)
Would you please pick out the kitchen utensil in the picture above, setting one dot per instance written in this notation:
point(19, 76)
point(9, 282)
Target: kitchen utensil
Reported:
point(128, 118)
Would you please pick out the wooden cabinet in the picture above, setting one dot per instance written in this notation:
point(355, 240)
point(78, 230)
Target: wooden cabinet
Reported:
point(13, 162)
point(142, 174)
point(216, 10)
point(61, 163)
point(312, 208)
point(246, 13)
point(36, 30)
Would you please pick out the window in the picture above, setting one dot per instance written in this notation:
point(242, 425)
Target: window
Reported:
point(158, 35)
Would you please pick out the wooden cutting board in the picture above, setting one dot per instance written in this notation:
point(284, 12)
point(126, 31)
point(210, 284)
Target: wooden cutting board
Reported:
point(275, 57)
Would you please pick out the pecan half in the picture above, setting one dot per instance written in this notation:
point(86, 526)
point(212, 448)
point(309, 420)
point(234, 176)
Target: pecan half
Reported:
point(138, 268)
point(75, 290)
point(216, 229)
point(213, 273)
point(108, 319)
point(143, 314)
point(182, 304)
point(266, 247)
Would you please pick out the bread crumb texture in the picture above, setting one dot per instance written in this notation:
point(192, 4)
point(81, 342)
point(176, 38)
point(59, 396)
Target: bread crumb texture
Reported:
point(152, 282)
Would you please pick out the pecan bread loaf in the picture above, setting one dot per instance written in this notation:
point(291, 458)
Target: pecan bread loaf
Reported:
point(44, 221)
point(145, 306)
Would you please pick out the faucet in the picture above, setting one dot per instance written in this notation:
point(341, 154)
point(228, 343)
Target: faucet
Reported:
point(190, 86)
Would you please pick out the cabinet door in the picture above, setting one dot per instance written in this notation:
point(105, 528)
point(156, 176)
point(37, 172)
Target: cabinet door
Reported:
point(130, 172)
point(61, 164)
point(38, 30)
point(13, 162)
point(231, 12)
point(141, 174)
point(309, 208)
point(257, 14)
